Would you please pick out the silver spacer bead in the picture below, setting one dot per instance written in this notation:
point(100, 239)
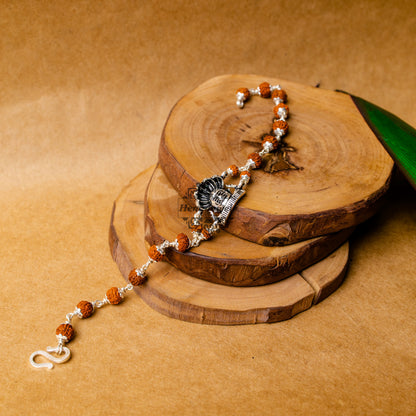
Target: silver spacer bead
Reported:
point(77, 312)
point(267, 148)
point(282, 113)
point(250, 164)
point(279, 133)
point(275, 87)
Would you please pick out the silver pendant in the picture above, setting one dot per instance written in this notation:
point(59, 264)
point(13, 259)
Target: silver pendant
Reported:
point(211, 194)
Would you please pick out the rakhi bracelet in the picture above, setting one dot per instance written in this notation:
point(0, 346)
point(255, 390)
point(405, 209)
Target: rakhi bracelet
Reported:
point(213, 197)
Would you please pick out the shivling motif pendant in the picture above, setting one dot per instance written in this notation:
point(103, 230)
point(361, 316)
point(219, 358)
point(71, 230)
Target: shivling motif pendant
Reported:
point(213, 197)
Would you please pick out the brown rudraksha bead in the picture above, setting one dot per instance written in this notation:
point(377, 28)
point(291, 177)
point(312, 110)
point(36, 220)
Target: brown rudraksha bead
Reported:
point(113, 296)
point(246, 93)
point(282, 125)
point(135, 278)
point(183, 242)
point(256, 158)
point(86, 308)
point(272, 140)
point(279, 94)
point(155, 254)
point(66, 330)
point(278, 106)
point(234, 170)
point(264, 88)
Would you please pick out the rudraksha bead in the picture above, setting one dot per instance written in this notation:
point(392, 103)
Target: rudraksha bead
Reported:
point(205, 233)
point(66, 330)
point(86, 308)
point(245, 172)
point(135, 278)
point(256, 158)
point(183, 242)
point(282, 125)
point(264, 88)
point(279, 94)
point(155, 254)
point(278, 106)
point(272, 140)
point(196, 228)
point(113, 296)
point(234, 170)
point(244, 91)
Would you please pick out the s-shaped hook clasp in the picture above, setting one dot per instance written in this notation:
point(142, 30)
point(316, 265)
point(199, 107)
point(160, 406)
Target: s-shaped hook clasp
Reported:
point(57, 360)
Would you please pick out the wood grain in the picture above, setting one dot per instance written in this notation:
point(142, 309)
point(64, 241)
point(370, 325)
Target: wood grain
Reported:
point(343, 170)
point(226, 259)
point(180, 296)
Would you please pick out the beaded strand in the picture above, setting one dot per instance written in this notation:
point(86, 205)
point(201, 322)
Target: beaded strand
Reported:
point(84, 309)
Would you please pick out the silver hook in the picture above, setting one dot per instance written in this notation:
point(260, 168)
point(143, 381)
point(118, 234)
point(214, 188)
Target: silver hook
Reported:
point(57, 360)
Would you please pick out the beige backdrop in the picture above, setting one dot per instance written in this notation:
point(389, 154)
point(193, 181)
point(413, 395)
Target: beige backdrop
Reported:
point(85, 88)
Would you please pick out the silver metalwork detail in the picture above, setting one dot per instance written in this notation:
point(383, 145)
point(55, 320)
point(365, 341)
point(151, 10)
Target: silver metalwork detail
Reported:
point(238, 193)
point(57, 360)
point(219, 199)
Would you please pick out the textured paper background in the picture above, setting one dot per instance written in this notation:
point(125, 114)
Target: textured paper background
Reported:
point(85, 88)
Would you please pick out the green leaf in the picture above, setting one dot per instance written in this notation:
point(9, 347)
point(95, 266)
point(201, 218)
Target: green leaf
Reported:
point(398, 137)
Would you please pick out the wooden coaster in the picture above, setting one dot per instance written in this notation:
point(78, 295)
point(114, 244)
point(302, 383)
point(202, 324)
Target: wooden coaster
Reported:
point(180, 296)
point(226, 259)
point(333, 176)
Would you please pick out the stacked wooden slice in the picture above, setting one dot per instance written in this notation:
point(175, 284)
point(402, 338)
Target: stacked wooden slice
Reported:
point(284, 247)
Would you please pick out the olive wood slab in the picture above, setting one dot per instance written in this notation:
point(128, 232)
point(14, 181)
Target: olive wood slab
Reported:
point(226, 259)
point(180, 296)
point(333, 179)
